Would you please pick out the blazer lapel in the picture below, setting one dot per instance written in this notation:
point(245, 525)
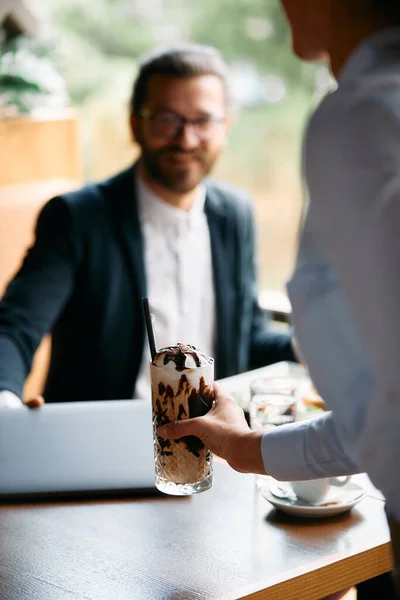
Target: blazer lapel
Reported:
point(222, 256)
point(124, 206)
point(122, 198)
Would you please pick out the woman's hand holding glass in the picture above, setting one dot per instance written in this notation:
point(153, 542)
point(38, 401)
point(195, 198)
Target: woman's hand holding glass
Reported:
point(225, 431)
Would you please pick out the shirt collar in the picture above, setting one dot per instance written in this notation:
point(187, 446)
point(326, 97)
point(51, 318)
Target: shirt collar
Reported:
point(154, 209)
point(374, 51)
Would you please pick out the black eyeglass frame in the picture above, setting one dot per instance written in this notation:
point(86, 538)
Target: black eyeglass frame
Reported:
point(182, 122)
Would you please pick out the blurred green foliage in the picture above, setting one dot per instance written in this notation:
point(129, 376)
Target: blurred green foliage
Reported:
point(28, 76)
point(243, 30)
point(251, 29)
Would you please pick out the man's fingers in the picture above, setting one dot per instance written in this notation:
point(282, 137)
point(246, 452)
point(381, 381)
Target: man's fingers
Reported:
point(35, 402)
point(178, 429)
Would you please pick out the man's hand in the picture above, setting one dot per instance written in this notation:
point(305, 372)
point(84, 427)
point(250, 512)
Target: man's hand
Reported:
point(225, 432)
point(10, 400)
point(35, 402)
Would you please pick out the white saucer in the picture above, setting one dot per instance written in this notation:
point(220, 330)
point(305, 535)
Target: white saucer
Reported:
point(284, 499)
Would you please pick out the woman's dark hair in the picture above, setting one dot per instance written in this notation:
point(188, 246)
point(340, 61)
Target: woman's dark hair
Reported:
point(184, 60)
point(387, 8)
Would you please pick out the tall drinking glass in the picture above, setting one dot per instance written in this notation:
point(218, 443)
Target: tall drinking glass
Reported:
point(182, 381)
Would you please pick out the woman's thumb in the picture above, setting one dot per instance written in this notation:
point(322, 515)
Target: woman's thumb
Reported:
point(178, 429)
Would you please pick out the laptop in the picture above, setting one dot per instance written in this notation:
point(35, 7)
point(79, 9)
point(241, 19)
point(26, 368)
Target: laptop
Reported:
point(76, 448)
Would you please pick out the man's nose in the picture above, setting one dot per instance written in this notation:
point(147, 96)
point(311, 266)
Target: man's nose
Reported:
point(187, 137)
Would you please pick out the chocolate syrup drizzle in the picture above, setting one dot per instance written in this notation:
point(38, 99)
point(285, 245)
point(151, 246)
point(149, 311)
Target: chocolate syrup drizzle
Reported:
point(199, 403)
point(177, 354)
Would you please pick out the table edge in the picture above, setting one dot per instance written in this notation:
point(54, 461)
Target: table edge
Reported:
point(304, 583)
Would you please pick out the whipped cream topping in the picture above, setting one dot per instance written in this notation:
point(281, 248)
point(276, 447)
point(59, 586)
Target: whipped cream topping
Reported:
point(181, 357)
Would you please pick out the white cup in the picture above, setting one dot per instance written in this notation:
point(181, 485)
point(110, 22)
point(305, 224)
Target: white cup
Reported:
point(315, 490)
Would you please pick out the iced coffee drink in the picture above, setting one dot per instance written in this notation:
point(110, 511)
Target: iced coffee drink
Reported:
point(182, 388)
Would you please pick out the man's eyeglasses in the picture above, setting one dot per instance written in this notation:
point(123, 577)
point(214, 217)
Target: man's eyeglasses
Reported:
point(169, 125)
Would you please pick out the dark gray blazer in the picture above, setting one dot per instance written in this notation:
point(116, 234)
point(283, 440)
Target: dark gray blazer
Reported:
point(83, 280)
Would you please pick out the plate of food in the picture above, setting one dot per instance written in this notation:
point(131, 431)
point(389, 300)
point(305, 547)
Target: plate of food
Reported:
point(309, 402)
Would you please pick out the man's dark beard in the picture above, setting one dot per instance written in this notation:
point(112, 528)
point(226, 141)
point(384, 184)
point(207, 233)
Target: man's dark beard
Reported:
point(179, 181)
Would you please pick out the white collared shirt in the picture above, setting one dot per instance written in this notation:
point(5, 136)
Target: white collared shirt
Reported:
point(179, 273)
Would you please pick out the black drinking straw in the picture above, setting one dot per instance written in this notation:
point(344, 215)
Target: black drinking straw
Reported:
point(149, 327)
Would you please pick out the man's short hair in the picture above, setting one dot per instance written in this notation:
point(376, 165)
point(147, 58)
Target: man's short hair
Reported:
point(183, 60)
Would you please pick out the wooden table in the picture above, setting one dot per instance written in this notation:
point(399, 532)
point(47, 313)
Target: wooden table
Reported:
point(227, 543)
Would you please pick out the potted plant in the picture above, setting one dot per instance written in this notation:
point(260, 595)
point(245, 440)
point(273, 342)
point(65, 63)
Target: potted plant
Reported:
point(39, 134)
point(40, 153)
point(29, 77)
